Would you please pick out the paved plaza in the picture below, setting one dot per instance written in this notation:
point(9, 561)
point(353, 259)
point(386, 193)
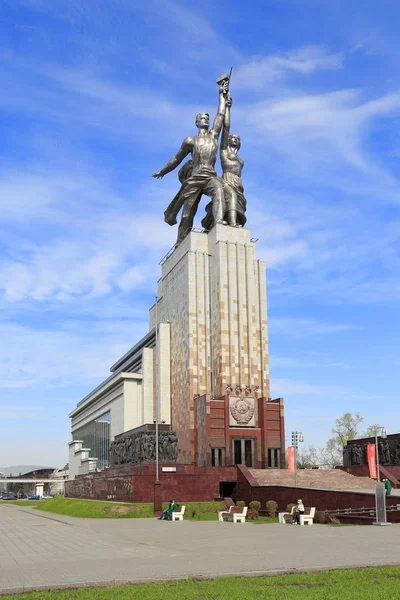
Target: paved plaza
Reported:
point(41, 550)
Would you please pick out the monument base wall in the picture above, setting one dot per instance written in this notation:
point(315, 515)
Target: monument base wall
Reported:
point(247, 489)
point(136, 483)
point(385, 470)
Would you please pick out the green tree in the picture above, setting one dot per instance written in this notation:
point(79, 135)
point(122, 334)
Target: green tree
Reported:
point(373, 430)
point(345, 428)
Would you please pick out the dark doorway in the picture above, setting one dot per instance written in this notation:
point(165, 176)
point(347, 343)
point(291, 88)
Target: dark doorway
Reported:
point(274, 458)
point(244, 452)
point(227, 489)
point(217, 457)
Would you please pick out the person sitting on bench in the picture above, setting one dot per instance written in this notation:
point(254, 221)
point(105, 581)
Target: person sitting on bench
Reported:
point(167, 514)
point(299, 510)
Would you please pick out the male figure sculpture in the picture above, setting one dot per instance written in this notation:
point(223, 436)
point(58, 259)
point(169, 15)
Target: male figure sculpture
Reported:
point(232, 165)
point(202, 177)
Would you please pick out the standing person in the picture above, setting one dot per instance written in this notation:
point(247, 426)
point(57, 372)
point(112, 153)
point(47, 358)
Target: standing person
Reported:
point(299, 510)
point(388, 486)
point(203, 178)
point(167, 514)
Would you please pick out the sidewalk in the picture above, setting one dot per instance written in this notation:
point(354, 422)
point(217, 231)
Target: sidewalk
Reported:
point(39, 550)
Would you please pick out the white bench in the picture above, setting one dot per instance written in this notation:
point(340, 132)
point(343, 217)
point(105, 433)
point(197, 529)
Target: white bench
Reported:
point(178, 514)
point(282, 515)
point(308, 517)
point(236, 514)
point(225, 512)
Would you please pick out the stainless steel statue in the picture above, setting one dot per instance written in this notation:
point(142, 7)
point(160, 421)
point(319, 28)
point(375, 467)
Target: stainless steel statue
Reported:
point(232, 165)
point(198, 175)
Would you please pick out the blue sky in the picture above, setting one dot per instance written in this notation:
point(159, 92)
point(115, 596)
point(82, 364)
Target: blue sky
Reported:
point(96, 95)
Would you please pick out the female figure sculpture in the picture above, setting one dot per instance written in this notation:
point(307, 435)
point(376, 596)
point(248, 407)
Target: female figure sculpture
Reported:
point(232, 165)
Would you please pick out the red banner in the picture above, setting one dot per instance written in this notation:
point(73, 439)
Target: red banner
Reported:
point(290, 455)
point(371, 460)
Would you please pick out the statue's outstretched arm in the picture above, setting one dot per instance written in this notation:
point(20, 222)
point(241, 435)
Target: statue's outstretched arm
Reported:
point(176, 160)
point(219, 119)
point(227, 124)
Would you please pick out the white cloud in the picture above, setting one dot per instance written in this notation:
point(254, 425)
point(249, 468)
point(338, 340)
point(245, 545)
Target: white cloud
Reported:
point(285, 253)
point(91, 241)
point(287, 362)
point(62, 355)
point(305, 327)
point(288, 387)
point(313, 129)
point(259, 71)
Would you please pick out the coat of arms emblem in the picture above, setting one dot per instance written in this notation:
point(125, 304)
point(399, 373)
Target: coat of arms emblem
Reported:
point(242, 410)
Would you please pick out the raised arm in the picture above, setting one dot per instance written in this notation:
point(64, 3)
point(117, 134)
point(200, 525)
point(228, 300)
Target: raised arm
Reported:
point(227, 124)
point(219, 119)
point(176, 160)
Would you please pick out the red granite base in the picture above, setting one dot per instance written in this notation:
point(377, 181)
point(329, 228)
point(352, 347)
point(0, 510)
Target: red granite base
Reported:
point(136, 484)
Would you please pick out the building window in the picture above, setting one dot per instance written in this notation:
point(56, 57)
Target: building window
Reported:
point(217, 457)
point(96, 436)
point(274, 458)
point(243, 452)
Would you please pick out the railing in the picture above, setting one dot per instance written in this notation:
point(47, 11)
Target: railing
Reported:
point(363, 510)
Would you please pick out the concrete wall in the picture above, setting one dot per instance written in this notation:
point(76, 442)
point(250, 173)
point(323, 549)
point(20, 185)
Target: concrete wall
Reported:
point(112, 398)
point(123, 397)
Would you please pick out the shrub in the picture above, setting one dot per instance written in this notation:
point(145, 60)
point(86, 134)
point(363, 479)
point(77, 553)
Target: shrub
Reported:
point(252, 514)
point(271, 507)
point(320, 516)
point(289, 507)
point(325, 518)
point(255, 506)
point(334, 520)
point(241, 503)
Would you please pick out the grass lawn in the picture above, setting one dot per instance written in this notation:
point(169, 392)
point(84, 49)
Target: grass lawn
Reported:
point(94, 509)
point(365, 584)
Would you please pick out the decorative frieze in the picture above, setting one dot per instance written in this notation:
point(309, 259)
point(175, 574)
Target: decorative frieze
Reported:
point(140, 447)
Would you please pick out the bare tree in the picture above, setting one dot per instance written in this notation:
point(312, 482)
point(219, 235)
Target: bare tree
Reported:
point(307, 457)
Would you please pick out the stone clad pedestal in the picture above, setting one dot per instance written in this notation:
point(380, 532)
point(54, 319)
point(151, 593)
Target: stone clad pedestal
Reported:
point(201, 370)
point(213, 293)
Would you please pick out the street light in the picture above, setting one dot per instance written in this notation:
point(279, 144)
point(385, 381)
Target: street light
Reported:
point(157, 393)
point(383, 437)
point(156, 419)
point(297, 437)
point(380, 494)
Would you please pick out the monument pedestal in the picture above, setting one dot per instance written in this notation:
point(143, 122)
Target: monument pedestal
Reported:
point(213, 293)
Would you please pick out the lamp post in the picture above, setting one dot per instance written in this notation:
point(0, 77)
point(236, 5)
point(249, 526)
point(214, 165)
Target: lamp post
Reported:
point(157, 399)
point(297, 437)
point(383, 437)
point(156, 420)
point(380, 493)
